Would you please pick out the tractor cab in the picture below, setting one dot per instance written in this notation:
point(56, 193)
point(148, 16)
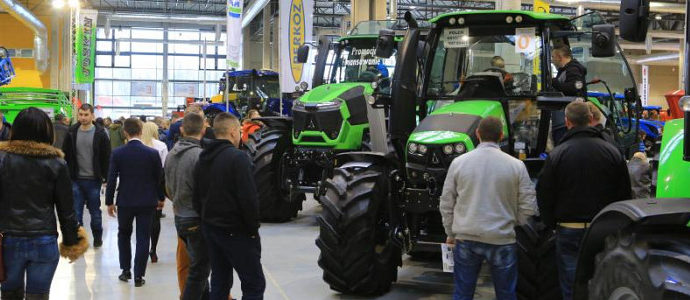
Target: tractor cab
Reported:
point(248, 89)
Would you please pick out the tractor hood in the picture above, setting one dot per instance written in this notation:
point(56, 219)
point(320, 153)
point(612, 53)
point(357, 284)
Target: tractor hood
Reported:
point(329, 92)
point(672, 176)
point(456, 122)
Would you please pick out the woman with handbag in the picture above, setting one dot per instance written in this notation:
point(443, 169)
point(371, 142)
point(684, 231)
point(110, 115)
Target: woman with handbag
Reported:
point(34, 184)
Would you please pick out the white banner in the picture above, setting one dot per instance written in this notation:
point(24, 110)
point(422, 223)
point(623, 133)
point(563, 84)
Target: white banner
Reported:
point(296, 18)
point(234, 34)
point(645, 85)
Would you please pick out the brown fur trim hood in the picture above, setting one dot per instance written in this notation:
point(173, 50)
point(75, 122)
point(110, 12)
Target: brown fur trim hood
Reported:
point(31, 148)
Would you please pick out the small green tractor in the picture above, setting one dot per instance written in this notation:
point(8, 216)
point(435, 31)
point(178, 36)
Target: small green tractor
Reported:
point(294, 156)
point(382, 203)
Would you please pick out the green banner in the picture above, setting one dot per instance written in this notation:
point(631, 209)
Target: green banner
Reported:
point(85, 47)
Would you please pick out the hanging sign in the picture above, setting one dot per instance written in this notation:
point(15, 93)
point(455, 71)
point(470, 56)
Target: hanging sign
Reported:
point(234, 34)
point(645, 85)
point(85, 46)
point(295, 30)
point(456, 37)
point(525, 40)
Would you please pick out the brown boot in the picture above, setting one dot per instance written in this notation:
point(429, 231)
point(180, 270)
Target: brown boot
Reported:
point(13, 295)
point(37, 296)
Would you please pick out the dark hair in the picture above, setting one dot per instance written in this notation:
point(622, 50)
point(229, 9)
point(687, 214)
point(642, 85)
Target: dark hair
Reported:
point(133, 127)
point(490, 129)
point(564, 50)
point(100, 121)
point(32, 124)
point(86, 106)
point(59, 117)
point(192, 124)
point(578, 113)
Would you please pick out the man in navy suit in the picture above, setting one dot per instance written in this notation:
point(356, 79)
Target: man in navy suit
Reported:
point(139, 193)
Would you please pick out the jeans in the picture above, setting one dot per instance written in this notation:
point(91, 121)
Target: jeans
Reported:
point(567, 246)
point(240, 252)
point(196, 284)
point(125, 218)
point(33, 257)
point(88, 192)
point(468, 257)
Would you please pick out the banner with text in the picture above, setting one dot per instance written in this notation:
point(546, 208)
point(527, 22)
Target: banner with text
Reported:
point(295, 30)
point(234, 34)
point(85, 46)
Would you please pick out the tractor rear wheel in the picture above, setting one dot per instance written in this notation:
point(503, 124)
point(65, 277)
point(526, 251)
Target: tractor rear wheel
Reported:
point(537, 268)
point(357, 255)
point(266, 147)
point(645, 266)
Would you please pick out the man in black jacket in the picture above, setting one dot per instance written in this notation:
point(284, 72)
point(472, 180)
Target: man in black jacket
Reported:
point(225, 197)
point(580, 177)
point(87, 152)
point(570, 80)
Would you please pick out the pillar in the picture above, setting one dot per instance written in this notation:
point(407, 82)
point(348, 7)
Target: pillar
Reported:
point(164, 81)
point(275, 45)
point(364, 10)
point(508, 4)
point(266, 40)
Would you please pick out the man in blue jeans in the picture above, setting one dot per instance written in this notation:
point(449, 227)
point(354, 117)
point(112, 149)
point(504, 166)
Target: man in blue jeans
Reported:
point(179, 180)
point(87, 152)
point(582, 175)
point(485, 195)
point(226, 199)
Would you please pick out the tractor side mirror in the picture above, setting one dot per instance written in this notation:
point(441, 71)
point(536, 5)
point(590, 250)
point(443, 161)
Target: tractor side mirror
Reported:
point(303, 54)
point(603, 40)
point(385, 43)
point(634, 19)
point(685, 105)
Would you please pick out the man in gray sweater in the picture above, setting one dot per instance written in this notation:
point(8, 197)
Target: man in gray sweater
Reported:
point(485, 195)
point(179, 168)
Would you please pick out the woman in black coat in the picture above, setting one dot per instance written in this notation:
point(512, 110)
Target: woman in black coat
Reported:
point(34, 184)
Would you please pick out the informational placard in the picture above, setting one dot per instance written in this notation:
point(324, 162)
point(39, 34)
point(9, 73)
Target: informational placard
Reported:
point(525, 40)
point(234, 33)
point(143, 88)
point(447, 257)
point(542, 6)
point(456, 38)
point(182, 89)
point(645, 85)
point(296, 17)
point(85, 46)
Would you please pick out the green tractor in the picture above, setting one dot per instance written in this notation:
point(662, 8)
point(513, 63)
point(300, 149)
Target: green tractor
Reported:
point(13, 100)
point(294, 156)
point(380, 204)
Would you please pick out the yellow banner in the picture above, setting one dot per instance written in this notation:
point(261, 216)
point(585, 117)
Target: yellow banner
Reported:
point(541, 6)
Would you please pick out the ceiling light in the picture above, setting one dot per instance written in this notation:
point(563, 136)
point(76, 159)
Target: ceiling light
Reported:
point(658, 17)
point(58, 3)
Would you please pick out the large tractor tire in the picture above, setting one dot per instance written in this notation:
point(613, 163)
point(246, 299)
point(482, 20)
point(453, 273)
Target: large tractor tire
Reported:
point(357, 255)
point(650, 266)
point(266, 147)
point(537, 268)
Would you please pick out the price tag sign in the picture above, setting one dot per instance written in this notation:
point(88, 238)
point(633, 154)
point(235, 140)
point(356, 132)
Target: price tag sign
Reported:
point(525, 40)
point(456, 38)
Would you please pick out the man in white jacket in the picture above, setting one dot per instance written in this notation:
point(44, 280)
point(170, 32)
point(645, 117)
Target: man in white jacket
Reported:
point(485, 195)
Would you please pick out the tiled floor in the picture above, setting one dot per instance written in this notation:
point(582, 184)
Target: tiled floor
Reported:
point(289, 260)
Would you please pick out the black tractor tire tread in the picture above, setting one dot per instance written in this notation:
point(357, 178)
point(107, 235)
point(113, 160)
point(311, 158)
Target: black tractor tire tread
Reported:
point(537, 271)
point(274, 205)
point(352, 263)
point(653, 266)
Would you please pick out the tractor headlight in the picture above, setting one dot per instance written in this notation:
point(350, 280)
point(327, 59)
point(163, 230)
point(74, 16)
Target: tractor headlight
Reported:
point(460, 148)
point(412, 148)
point(448, 149)
point(423, 149)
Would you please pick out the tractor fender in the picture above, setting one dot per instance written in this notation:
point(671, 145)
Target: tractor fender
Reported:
point(279, 123)
point(618, 216)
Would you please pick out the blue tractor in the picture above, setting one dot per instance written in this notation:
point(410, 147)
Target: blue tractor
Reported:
point(249, 89)
point(6, 69)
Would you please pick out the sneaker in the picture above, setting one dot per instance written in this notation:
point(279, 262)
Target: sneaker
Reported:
point(154, 257)
point(125, 276)
point(97, 243)
point(139, 281)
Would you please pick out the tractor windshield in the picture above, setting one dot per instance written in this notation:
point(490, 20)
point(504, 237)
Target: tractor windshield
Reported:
point(512, 56)
point(356, 61)
point(268, 87)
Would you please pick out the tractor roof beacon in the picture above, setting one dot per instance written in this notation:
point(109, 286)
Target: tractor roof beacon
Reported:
point(294, 156)
point(380, 204)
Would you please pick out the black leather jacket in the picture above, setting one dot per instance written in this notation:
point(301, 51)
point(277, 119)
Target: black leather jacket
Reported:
point(34, 184)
